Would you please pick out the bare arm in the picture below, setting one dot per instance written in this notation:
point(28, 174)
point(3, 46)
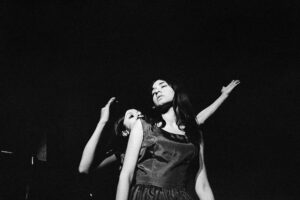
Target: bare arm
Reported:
point(130, 160)
point(202, 186)
point(107, 161)
point(88, 154)
point(207, 112)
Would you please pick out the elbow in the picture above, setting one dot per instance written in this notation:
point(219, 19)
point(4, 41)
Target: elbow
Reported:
point(83, 170)
point(200, 187)
point(200, 122)
point(200, 119)
point(204, 192)
point(199, 193)
point(199, 190)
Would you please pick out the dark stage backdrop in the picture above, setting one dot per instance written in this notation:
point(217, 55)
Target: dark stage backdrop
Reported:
point(62, 60)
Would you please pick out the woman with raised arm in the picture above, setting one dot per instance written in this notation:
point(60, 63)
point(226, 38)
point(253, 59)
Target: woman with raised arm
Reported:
point(122, 129)
point(159, 154)
point(207, 112)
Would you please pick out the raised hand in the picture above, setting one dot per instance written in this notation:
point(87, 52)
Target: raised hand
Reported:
point(230, 87)
point(105, 110)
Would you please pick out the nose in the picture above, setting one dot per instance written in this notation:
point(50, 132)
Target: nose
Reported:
point(156, 92)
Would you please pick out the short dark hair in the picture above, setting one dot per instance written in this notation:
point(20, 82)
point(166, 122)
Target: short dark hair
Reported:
point(120, 141)
point(119, 126)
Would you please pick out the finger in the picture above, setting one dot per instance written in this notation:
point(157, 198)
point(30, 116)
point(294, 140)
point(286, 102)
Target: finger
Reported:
point(111, 100)
point(236, 82)
point(230, 84)
point(140, 117)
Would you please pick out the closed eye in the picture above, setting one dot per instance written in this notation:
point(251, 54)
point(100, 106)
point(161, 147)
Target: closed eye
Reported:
point(130, 116)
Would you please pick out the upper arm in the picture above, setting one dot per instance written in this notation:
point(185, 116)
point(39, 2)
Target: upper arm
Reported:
point(107, 161)
point(201, 157)
point(133, 148)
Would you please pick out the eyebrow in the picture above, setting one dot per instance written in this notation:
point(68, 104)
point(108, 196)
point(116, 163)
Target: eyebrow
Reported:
point(162, 82)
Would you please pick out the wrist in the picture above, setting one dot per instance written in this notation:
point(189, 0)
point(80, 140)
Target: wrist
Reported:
point(225, 94)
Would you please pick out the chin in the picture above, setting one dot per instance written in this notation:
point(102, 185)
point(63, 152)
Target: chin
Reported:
point(164, 107)
point(162, 102)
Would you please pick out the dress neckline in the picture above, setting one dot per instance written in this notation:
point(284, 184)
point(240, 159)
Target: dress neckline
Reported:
point(174, 136)
point(172, 132)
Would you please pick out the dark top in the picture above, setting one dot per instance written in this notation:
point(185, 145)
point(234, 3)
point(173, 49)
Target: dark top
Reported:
point(164, 158)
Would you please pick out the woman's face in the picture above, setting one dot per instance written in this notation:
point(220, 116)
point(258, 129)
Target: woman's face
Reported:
point(162, 93)
point(131, 116)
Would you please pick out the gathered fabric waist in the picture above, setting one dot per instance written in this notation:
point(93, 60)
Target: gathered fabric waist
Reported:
point(153, 192)
point(159, 183)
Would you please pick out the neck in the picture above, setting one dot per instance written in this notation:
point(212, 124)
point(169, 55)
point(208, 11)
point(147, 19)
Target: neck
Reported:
point(169, 116)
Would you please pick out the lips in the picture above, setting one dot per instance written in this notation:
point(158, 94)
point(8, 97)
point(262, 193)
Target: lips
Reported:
point(159, 97)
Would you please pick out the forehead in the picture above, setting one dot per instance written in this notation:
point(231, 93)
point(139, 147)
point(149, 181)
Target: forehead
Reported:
point(131, 111)
point(158, 83)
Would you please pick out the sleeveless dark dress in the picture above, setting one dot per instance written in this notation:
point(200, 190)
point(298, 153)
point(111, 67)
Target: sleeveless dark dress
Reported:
point(162, 167)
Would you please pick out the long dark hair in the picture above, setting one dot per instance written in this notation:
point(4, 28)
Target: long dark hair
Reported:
point(184, 112)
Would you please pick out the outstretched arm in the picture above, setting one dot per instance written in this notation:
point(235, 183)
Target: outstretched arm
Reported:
point(207, 112)
point(202, 186)
point(90, 148)
point(130, 160)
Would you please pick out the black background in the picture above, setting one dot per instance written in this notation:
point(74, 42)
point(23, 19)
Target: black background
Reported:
point(62, 60)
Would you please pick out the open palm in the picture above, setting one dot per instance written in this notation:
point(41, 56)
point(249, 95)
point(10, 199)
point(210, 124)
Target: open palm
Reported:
point(105, 110)
point(230, 86)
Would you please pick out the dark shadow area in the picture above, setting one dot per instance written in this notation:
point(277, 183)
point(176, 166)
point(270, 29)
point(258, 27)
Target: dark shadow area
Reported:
point(62, 60)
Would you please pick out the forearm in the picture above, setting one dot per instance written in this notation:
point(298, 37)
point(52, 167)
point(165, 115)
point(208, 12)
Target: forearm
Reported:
point(207, 112)
point(123, 186)
point(90, 148)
